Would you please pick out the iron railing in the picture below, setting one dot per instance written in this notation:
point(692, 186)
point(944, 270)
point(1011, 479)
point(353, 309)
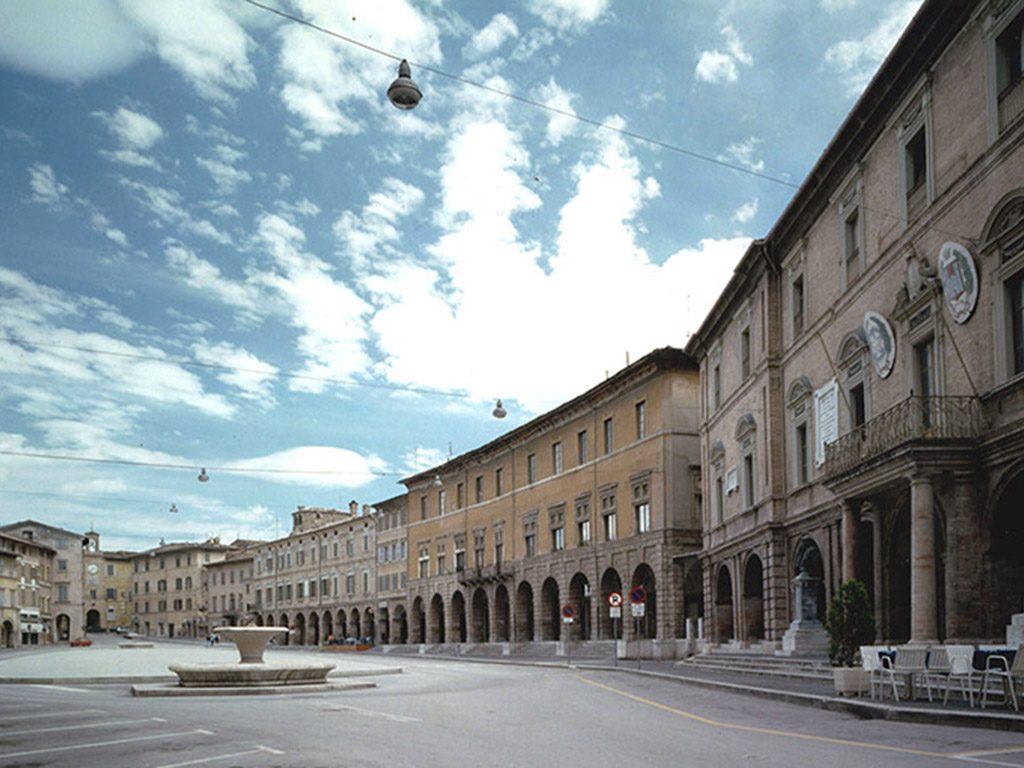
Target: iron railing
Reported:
point(914, 419)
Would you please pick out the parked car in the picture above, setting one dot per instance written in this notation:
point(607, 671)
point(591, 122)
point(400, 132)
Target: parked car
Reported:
point(81, 642)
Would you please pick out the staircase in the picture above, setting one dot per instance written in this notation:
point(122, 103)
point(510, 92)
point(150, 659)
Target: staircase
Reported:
point(801, 668)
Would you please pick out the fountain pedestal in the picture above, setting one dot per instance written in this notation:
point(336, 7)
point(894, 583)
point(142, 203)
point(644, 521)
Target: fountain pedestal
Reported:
point(251, 670)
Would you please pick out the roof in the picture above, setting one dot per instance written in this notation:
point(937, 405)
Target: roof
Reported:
point(28, 542)
point(663, 359)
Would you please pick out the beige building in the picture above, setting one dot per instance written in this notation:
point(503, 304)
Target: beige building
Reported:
point(67, 603)
point(107, 591)
point(392, 621)
point(598, 496)
point(320, 579)
point(229, 589)
point(863, 372)
point(26, 568)
point(169, 588)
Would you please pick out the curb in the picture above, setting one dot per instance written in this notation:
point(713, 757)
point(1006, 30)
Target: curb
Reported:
point(176, 691)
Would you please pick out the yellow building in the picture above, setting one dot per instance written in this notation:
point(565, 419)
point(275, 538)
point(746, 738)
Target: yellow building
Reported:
point(26, 568)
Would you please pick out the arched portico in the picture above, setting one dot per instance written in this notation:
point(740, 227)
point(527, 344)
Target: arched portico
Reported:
point(753, 599)
point(723, 606)
point(435, 621)
point(607, 627)
point(524, 613)
point(502, 615)
point(480, 626)
point(550, 619)
point(647, 626)
point(458, 618)
point(313, 636)
point(580, 600)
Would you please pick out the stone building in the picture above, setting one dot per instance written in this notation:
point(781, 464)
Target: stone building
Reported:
point(319, 580)
point(863, 371)
point(26, 570)
point(107, 591)
point(169, 588)
point(66, 601)
point(229, 587)
point(599, 495)
point(392, 570)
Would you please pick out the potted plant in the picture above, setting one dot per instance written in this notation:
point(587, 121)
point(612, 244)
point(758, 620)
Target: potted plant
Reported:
point(850, 624)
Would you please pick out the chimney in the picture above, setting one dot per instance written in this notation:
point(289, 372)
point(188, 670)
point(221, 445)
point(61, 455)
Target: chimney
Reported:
point(353, 507)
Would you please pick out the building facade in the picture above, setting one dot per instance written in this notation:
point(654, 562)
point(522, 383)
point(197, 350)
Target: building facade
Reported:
point(319, 581)
point(26, 570)
point(169, 588)
point(392, 546)
point(863, 372)
point(229, 588)
point(107, 591)
point(598, 496)
point(68, 583)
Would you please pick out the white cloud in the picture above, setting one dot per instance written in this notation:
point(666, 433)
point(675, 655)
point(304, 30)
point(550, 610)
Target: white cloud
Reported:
point(71, 41)
point(45, 187)
point(742, 152)
point(168, 206)
point(225, 175)
point(375, 227)
point(559, 125)
point(831, 6)
point(244, 371)
point(745, 212)
point(857, 60)
point(322, 79)
point(200, 40)
point(314, 465)
point(89, 487)
point(716, 66)
point(132, 129)
point(206, 276)
point(491, 38)
point(569, 15)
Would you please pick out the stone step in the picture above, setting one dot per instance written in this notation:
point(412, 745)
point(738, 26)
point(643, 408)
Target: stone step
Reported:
point(768, 666)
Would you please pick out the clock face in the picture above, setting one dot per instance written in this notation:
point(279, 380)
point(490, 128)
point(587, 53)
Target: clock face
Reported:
point(93, 568)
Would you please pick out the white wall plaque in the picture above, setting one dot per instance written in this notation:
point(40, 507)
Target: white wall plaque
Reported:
point(826, 419)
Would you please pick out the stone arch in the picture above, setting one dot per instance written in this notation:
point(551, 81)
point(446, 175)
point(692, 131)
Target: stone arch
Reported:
point(400, 626)
point(355, 624)
point(341, 624)
point(435, 621)
point(550, 620)
point(287, 639)
point(419, 621)
point(369, 632)
point(693, 591)
point(525, 631)
point(257, 619)
point(798, 390)
point(717, 451)
point(313, 636)
point(807, 559)
point(459, 629)
point(92, 621)
point(646, 626)
point(328, 627)
point(607, 627)
point(580, 599)
point(7, 635)
point(502, 615)
point(63, 626)
point(384, 625)
point(753, 599)
point(480, 626)
point(1003, 217)
point(853, 344)
point(745, 425)
point(300, 629)
point(724, 628)
point(1004, 535)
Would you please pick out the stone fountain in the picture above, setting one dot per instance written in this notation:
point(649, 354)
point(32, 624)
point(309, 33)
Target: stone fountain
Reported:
point(251, 670)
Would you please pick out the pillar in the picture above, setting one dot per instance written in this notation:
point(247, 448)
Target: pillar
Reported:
point(881, 616)
point(922, 561)
point(849, 542)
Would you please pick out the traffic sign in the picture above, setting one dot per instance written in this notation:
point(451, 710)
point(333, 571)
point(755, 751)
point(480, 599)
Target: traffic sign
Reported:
point(568, 611)
point(614, 599)
point(615, 612)
point(638, 595)
point(638, 610)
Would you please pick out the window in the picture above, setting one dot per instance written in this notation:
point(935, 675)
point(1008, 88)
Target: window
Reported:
point(609, 436)
point(442, 501)
point(716, 387)
point(718, 499)
point(746, 432)
point(556, 459)
point(499, 486)
point(424, 562)
point(478, 489)
point(460, 496)
point(442, 567)
point(366, 582)
point(499, 546)
point(583, 533)
point(460, 554)
point(858, 406)
point(530, 535)
point(748, 480)
point(350, 583)
point(608, 515)
point(800, 461)
point(531, 468)
point(916, 167)
point(799, 402)
point(914, 138)
point(797, 299)
point(479, 543)
point(556, 521)
point(924, 363)
point(1005, 95)
point(62, 565)
point(423, 507)
point(582, 447)
point(642, 505)
point(745, 352)
point(1015, 289)
point(641, 419)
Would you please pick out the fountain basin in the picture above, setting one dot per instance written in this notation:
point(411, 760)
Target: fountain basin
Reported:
point(253, 674)
point(251, 641)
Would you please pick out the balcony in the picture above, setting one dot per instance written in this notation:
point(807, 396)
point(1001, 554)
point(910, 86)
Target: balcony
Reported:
point(921, 421)
point(488, 574)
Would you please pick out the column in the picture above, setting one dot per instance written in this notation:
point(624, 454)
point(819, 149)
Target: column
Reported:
point(922, 561)
point(881, 617)
point(849, 534)
point(965, 610)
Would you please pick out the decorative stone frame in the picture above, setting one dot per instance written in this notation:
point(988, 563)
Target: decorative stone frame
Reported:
point(1001, 14)
point(795, 269)
point(716, 503)
point(849, 203)
point(914, 116)
point(1003, 248)
point(853, 364)
point(798, 403)
point(746, 433)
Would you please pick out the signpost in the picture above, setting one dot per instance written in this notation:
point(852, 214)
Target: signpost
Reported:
point(638, 609)
point(568, 617)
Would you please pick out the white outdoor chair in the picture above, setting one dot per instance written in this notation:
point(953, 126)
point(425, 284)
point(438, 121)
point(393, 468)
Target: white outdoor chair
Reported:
point(961, 670)
point(938, 668)
point(872, 664)
point(909, 664)
point(998, 667)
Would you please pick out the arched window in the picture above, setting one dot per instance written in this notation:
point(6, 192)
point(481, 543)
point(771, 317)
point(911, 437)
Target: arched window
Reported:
point(746, 428)
point(798, 401)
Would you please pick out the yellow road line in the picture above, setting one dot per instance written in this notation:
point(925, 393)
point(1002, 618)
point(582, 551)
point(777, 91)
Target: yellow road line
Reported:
point(768, 731)
point(992, 751)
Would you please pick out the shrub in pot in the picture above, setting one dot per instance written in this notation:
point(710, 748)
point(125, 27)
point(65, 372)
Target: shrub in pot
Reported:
point(850, 624)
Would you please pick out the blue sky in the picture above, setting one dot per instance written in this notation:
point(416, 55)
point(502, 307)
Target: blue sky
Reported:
point(224, 248)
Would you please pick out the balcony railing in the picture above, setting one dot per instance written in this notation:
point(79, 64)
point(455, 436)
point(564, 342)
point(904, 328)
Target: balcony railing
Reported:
point(914, 419)
point(484, 575)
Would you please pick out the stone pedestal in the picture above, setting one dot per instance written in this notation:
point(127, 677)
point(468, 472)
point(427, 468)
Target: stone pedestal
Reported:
point(806, 636)
point(1015, 630)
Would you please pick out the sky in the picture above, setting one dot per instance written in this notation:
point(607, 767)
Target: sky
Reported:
point(225, 249)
